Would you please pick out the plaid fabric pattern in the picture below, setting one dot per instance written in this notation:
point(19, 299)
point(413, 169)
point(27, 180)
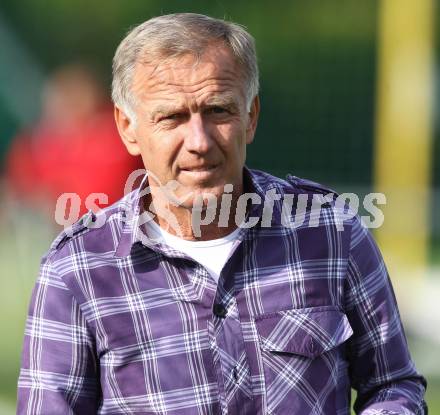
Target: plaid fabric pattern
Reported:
point(118, 325)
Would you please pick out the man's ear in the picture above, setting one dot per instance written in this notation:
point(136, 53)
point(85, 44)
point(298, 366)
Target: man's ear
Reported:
point(127, 131)
point(252, 120)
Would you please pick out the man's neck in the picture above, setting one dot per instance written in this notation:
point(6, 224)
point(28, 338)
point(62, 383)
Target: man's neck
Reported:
point(180, 221)
point(207, 232)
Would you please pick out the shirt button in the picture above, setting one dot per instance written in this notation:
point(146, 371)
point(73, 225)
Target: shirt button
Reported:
point(235, 375)
point(219, 310)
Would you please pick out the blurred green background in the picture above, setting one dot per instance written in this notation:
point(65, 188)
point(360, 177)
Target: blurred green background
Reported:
point(318, 63)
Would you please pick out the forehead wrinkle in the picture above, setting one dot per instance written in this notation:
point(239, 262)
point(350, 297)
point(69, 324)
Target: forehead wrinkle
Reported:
point(161, 90)
point(191, 86)
point(164, 73)
point(206, 87)
point(188, 74)
point(210, 90)
point(163, 83)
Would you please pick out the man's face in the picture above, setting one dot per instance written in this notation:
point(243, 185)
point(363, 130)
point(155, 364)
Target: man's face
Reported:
point(192, 125)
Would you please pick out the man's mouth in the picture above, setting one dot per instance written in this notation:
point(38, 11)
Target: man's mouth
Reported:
point(202, 168)
point(200, 173)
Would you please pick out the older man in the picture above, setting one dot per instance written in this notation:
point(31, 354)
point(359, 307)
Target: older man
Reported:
point(199, 293)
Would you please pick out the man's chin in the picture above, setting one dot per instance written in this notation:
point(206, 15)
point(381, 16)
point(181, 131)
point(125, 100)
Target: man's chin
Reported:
point(199, 198)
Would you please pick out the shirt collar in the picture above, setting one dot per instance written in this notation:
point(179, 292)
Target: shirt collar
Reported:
point(135, 215)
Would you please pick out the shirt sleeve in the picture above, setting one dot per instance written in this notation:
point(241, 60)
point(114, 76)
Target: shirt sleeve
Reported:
point(58, 370)
point(381, 368)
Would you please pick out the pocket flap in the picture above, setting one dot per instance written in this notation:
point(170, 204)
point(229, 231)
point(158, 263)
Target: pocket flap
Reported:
point(307, 332)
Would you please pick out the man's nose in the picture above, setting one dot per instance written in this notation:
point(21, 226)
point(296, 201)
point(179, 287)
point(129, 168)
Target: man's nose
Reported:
point(198, 139)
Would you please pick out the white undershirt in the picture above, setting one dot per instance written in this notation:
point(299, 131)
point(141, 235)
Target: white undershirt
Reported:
point(211, 254)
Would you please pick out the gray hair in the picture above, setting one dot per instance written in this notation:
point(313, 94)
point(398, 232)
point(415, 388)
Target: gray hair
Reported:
point(174, 35)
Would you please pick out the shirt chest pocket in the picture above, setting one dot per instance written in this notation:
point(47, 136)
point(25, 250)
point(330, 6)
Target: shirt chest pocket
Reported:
point(303, 359)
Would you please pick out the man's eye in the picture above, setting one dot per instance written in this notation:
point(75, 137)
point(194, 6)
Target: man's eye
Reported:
point(172, 117)
point(217, 110)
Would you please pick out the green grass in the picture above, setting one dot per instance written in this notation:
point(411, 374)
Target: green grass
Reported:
point(433, 395)
point(434, 252)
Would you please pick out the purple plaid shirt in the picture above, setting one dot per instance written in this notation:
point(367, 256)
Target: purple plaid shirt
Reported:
point(118, 325)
